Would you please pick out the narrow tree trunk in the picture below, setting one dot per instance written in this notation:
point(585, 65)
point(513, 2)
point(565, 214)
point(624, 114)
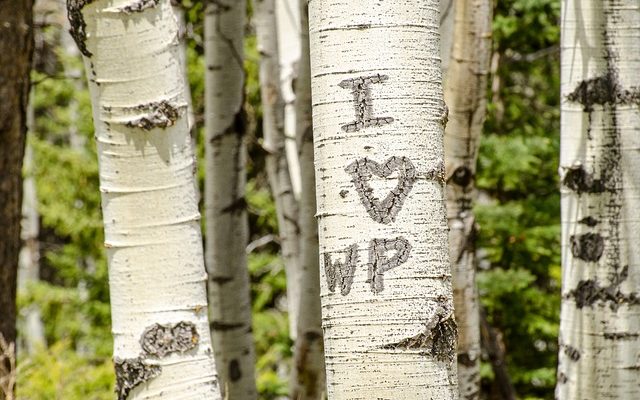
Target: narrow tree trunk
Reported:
point(288, 27)
point(494, 347)
point(225, 204)
point(29, 259)
point(465, 94)
point(600, 174)
point(309, 375)
point(387, 302)
point(16, 48)
point(274, 144)
point(162, 347)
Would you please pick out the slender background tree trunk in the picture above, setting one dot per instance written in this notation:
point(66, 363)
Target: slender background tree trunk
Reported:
point(465, 94)
point(274, 145)
point(288, 27)
point(309, 375)
point(600, 174)
point(225, 203)
point(162, 346)
point(387, 303)
point(16, 50)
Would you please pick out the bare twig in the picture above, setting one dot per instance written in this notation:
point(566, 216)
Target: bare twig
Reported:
point(7, 368)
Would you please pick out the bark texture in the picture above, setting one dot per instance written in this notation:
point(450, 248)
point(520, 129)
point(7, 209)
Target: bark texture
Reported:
point(274, 144)
point(309, 375)
point(162, 346)
point(465, 95)
point(378, 118)
point(225, 204)
point(16, 49)
point(600, 175)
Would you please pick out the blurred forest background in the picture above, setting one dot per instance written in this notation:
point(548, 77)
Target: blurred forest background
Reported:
point(518, 213)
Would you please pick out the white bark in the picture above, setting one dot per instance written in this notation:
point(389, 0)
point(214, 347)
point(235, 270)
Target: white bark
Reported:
point(29, 258)
point(308, 379)
point(385, 274)
point(162, 347)
point(288, 27)
point(225, 204)
point(274, 144)
point(600, 174)
point(465, 95)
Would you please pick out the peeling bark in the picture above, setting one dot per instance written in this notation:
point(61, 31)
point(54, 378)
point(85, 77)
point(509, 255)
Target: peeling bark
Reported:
point(225, 203)
point(599, 168)
point(16, 50)
point(465, 95)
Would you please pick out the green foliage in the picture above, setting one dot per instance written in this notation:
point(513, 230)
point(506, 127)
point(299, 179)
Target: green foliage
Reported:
point(519, 208)
point(59, 372)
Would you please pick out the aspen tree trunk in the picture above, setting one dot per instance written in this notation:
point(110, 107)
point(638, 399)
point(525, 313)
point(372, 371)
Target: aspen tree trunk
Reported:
point(16, 49)
point(225, 204)
point(162, 347)
point(274, 145)
point(600, 175)
point(288, 27)
point(29, 258)
point(378, 116)
point(308, 380)
point(465, 94)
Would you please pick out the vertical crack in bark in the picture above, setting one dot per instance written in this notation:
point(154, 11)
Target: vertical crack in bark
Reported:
point(362, 171)
point(342, 273)
point(361, 89)
point(379, 263)
point(437, 341)
point(131, 373)
point(159, 340)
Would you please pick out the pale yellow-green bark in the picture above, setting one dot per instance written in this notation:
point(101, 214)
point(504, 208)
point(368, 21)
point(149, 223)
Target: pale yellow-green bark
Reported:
point(600, 174)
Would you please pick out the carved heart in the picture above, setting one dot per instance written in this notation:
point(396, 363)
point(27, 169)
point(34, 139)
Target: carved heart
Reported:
point(361, 172)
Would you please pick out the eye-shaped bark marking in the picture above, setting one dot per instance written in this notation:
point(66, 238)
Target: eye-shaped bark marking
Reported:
point(131, 373)
point(361, 172)
point(339, 272)
point(160, 340)
point(587, 247)
point(379, 263)
point(438, 340)
point(361, 89)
